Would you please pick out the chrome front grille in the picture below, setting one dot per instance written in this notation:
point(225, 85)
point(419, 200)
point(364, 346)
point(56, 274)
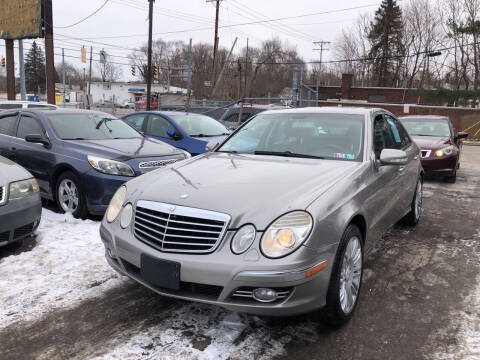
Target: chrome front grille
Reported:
point(172, 228)
point(3, 195)
point(425, 153)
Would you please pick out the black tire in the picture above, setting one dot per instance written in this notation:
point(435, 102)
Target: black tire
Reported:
point(333, 314)
point(14, 246)
point(80, 212)
point(412, 218)
point(452, 179)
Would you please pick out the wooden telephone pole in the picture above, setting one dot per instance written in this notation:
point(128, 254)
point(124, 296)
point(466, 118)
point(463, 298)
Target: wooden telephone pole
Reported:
point(149, 66)
point(215, 42)
point(49, 53)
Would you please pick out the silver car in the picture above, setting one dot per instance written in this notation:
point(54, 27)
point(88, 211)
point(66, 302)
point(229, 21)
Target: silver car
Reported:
point(20, 204)
point(274, 221)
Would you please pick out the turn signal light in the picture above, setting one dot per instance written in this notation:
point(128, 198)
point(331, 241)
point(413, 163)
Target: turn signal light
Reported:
point(316, 269)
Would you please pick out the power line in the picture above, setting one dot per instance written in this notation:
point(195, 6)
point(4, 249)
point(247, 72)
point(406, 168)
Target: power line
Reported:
point(84, 19)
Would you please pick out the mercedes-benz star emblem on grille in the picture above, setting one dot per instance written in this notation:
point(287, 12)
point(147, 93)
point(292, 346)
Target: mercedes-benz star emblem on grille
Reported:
point(156, 163)
point(172, 209)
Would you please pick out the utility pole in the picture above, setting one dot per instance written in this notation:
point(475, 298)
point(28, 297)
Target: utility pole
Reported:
point(246, 73)
point(90, 78)
point(239, 91)
point(63, 73)
point(10, 70)
point(215, 46)
point(189, 80)
point(321, 44)
point(49, 51)
point(149, 66)
point(21, 59)
point(227, 61)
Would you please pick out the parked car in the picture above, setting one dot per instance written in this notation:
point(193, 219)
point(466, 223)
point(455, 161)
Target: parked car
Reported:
point(20, 204)
point(440, 145)
point(276, 224)
point(128, 104)
point(80, 157)
point(8, 105)
point(187, 131)
point(230, 117)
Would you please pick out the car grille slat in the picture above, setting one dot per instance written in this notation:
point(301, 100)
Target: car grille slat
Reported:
point(3, 195)
point(174, 228)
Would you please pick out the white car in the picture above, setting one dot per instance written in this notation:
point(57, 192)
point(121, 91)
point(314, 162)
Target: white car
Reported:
point(128, 104)
point(8, 105)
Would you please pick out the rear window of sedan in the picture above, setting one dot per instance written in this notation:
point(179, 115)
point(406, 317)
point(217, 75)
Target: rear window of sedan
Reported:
point(427, 127)
point(90, 126)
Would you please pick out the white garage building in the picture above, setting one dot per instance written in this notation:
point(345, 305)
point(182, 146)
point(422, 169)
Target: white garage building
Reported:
point(123, 91)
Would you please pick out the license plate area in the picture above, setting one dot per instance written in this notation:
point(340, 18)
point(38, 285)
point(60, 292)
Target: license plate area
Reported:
point(160, 273)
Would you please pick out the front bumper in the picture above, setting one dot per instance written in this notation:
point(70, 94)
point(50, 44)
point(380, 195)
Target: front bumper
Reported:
point(213, 278)
point(440, 166)
point(19, 218)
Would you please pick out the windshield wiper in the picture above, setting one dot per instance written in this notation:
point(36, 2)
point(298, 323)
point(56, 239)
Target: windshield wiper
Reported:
point(79, 138)
point(423, 135)
point(287, 154)
point(228, 151)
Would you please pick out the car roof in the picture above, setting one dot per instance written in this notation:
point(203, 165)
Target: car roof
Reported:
point(64, 111)
point(173, 113)
point(325, 110)
point(425, 117)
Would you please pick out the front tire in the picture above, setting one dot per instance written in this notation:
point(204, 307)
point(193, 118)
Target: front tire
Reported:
point(413, 217)
point(70, 196)
point(452, 179)
point(346, 279)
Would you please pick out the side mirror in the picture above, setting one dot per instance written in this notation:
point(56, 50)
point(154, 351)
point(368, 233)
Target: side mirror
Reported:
point(393, 157)
point(461, 135)
point(211, 146)
point(37, 139)
point(173, 134)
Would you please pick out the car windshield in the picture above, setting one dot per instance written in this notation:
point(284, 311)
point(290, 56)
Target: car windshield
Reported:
point(91, 126)
point(327, 136)
point(200, 125)
point(421, 127)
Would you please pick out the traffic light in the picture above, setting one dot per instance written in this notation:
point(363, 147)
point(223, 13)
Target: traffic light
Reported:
point(134, 70)
point(3, 61)
point(155, 70)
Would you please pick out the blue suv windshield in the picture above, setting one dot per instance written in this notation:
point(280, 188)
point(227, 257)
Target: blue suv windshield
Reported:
point(91, 126)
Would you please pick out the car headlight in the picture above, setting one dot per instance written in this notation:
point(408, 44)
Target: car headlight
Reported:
point(110, 167)
point(20, 189)
point(116, 204)
point(243, 239)
point(126, 217)
point(444, 152)
point(286, 234)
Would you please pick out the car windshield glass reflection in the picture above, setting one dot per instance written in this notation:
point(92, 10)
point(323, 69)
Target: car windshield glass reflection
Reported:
point(200, 125)
point(327, 136)
point(419, 127)
point(91, 127)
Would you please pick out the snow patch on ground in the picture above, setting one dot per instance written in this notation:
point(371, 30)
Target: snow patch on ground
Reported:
point(203, 332)
point(66, 266)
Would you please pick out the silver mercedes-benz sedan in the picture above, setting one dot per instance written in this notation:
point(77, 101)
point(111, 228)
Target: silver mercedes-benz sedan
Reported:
point(274, 221)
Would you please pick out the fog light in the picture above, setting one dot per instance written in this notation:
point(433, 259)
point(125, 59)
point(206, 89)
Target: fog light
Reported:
point(264, 295)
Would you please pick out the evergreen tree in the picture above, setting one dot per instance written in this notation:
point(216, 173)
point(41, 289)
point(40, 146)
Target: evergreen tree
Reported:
point(35, 80)
point(386, 37)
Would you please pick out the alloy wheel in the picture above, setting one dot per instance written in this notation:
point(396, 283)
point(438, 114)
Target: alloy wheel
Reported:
point(418, 200)
point(68, 195)
point(350, 275)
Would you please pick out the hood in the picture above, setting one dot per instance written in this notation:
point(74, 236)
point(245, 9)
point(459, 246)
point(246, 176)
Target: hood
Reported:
point(124, 149)
point(11, 172)
point(251, 189)
point(431, 142)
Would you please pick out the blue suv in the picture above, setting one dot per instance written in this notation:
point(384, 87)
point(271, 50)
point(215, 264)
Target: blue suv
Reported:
point(187, 131)
point(79, 157)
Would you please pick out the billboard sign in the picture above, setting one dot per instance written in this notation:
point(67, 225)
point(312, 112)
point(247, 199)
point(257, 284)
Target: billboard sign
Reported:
point(20, 19)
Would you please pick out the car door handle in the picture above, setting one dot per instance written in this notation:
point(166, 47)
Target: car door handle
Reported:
point(401, 168)
point(13, 148)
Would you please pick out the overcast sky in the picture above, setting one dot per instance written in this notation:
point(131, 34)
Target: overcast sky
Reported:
point(116, 23)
